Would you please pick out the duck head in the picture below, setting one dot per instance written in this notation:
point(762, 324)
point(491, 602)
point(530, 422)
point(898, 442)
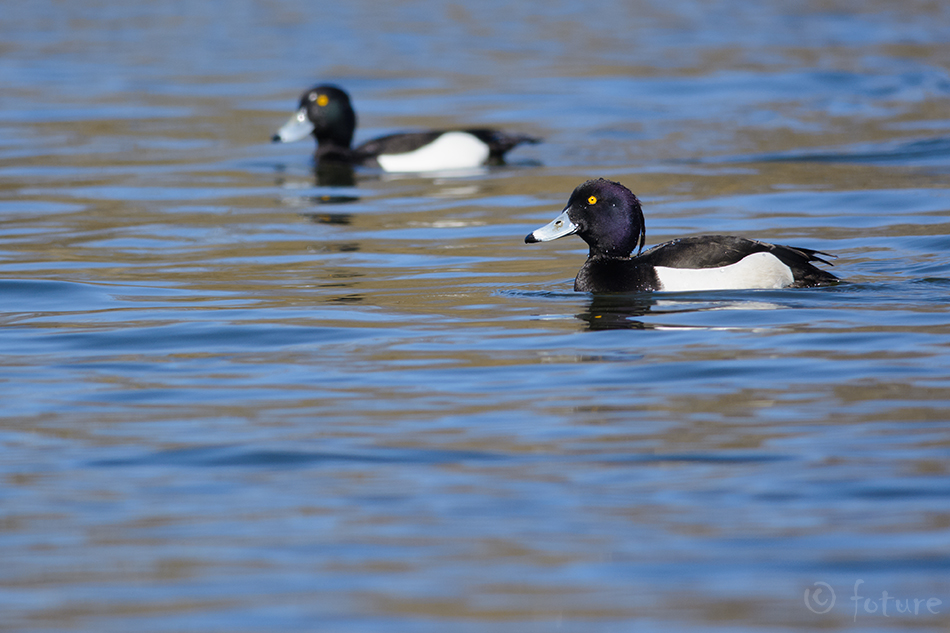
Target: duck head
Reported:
point(605, 214)
point(324, 111)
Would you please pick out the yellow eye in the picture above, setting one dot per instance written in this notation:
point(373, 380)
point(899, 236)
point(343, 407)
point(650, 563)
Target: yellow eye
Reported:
point(322, 100)
point(592, 200)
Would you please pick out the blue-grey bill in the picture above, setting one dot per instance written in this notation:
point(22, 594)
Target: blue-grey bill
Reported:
point(558, 227)
point(296, 128)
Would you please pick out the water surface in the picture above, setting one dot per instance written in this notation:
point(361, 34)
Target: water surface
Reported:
point(239, 398)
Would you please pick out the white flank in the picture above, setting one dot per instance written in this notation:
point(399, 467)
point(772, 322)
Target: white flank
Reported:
point(758, 270)
point(452, 150)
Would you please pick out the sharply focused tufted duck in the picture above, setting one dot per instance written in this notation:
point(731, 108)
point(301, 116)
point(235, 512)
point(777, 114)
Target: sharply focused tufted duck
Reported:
point(325, 112)
point(608, 217)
